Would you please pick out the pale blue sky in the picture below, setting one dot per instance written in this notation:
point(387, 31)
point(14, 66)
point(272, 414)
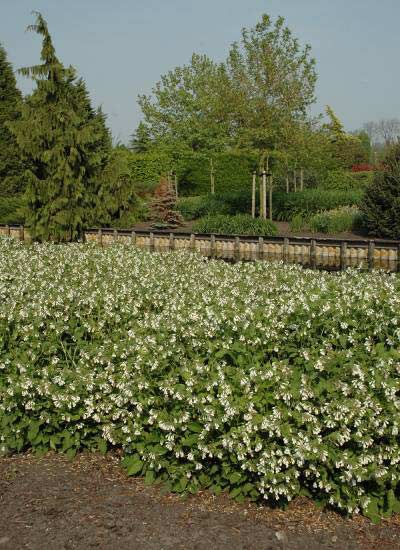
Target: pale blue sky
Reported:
point(121, 47)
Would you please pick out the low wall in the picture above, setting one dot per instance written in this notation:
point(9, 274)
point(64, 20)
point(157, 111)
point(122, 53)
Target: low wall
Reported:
point(315, 253)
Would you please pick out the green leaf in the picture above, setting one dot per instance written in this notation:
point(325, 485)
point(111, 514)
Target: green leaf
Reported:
point(372, 511)
point(71, 453)
point(33, 430)
point(149, 477)
point(195, 427)
point(235, 492)
point(135, 468)
point(102, 446)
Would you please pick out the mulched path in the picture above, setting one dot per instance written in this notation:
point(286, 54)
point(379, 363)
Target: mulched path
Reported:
point(283, 231)
point(52, 503)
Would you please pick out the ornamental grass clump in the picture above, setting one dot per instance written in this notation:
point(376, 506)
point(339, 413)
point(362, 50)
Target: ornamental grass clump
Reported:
point(263, 380)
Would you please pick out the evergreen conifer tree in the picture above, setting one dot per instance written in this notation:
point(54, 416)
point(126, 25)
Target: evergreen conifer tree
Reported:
point(141, 140)
point(67, 144)
point(11, 165)
point(381, 204)
point(163, 205)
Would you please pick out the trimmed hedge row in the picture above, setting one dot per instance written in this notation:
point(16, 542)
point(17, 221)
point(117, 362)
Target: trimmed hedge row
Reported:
point(233, 171)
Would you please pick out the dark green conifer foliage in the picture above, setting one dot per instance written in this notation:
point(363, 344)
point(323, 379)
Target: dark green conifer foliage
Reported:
point(381, 204)
point(141, 140)
point(67, 144)
point(11, 165)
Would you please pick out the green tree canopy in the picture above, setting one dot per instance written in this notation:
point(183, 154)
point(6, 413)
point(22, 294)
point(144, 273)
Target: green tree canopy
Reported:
point(346, 149)
point(141, 141)
point(66, 143)
point(272, 81)
point(251, 101)
point(187, 108)
point(11, 164)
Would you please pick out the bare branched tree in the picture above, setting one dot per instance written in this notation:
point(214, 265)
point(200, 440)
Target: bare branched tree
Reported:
point(386, 130)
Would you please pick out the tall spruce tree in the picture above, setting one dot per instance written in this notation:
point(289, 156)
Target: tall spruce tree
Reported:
point(381, 204)
point(67, 145)
point(11, 164)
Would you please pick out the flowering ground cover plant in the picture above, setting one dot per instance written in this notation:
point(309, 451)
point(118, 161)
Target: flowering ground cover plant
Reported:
point(265, 380)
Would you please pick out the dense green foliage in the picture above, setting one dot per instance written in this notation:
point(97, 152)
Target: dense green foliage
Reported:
point(311, 201)
point(344, 218)
point(67, 146)
point(12, 210)
point(346, 149)
point(263, 380)
point(381, 204)
point(233, 170)
point(11, 164)
point(345, 180)
point(220, 203)
point(241, 224)
point(146, 168)
point(118, 200)
point(253, 100)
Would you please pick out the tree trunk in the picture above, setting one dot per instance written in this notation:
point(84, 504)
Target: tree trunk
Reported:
point(264, 201)
point(253, 196)
point(270, 198)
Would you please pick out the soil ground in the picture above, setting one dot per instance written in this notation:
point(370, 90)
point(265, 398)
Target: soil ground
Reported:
point(283, 231)
point(52, 503)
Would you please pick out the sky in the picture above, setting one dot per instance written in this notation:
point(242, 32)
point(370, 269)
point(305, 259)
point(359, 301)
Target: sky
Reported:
point(122, 47)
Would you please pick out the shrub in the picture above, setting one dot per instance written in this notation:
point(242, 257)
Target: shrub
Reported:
point(195, 207)
point(129, 218)
point(263, 380)
point(346, 218)
point(220, 203)
point(11, 210)
point(363, 167)
point(311, 201)
point(363, 179)
point(163, 206)
point(381, 204)
point(241, 224)
point(298, 223)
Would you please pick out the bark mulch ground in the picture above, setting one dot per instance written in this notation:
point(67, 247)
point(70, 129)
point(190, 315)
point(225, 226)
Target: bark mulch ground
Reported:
point(283, 231)
point(52, 503)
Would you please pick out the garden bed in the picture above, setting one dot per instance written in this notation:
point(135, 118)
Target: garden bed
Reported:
point(260, 380)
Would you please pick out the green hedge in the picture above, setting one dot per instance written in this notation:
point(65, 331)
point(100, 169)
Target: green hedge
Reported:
point(287, 205)
point(242, 224)
point(146, 168)
point(233, 171)
point(343, 180)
